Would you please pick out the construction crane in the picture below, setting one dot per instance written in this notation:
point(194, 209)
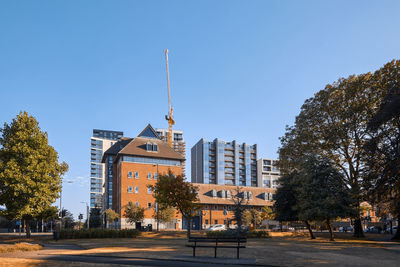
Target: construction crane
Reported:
point(169, 117)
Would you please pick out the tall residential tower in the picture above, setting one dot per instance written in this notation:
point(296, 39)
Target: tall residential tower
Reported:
point(224, 163)
point(99, 143)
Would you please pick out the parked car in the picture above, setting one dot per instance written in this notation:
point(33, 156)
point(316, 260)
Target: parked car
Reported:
point(372, 229)
point(217, 227)
point(394, 228)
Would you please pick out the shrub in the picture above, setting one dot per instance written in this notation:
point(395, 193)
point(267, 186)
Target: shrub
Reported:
point(98, 233)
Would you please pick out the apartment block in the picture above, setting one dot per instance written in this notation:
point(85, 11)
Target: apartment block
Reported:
point(135, 164)
point(267, 173)
point(99, 142)
point(178, 143)
point(224, 163)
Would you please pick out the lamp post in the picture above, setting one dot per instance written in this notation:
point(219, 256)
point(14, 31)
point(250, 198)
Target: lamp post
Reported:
point(87, 213)
point(157, 209)
point(61, 209)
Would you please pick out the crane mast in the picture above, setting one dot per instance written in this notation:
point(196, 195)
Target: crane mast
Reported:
point(169, 117)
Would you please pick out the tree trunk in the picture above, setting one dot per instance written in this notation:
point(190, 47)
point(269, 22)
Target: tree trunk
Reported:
point(309, 229)
point(397, 235)
point(28, 229)
point(330, 229)
point(42, 226)
point(358, 231)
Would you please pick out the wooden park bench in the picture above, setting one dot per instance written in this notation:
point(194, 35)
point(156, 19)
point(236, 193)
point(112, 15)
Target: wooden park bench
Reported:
point(223, 242)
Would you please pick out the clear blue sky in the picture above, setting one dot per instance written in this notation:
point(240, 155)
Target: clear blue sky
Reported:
point(239, 69)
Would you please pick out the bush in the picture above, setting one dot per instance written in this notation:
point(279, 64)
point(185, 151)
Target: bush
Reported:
point(98, 233)
point(234, 233)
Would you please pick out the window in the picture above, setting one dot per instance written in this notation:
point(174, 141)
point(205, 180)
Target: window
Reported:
point(215, 207)
point(136, 175)
point(149, 147)
point(229, 207)
point(206, 221)
point(206, 208)
point(249, 195)
point(129, 189)
point(136, 189)
point(155, 176)
point(149, 205)
point(149, 175)
point(129, 174)
point(137, 204)
point(228, 194)
point(149, 190)
point(216, 221)
point(214, 193)
point(155, 148)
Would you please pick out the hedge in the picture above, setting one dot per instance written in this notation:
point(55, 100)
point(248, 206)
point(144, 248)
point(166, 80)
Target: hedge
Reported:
point(98, 233)
point(233, 233)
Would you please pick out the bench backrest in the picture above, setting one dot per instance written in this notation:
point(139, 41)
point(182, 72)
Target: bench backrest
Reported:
point(220, 240)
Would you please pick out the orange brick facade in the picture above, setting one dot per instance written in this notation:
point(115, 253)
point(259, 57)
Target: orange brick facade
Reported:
point(140, 193)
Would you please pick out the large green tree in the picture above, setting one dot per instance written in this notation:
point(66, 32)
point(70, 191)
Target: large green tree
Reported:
point(322, 196)
point(174, 191)
point(383, 155)
point(30, 174)
point(333, 125)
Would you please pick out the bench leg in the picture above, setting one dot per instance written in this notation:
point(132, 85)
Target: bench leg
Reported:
point(215, 252)
point(194, 252)
point(237, 253)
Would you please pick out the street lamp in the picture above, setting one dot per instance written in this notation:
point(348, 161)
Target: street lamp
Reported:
point(156, 204)
point(61, 209)
point(87, 213)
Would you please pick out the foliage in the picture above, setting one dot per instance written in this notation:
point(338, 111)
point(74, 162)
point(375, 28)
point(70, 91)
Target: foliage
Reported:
point(238, 208)
point(285, 199)
point(95, 218)
point(267, 213)
point(333, 125)
point(133, 213)
point(98, 233)
point(111, 215)
point(30, 174)
point(383, 154)
point(165, 213)
point(174, 191)
point(322, 195)
point(68, 219)
point(49, 213)
point(251, 216)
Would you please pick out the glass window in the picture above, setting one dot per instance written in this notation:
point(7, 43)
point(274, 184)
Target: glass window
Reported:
point(155, 148)
point(216, 221)
point(206, 221)
point(137, 204)
point(206, 208)
point(215, 207)
point(149, 190)
point(129, 174)
point(149, 147)
point(129, 189)
point(149, 205)
point(228, 194)
point(136, 189)
point(155, 176)
point(136, 175)
point(149, 175)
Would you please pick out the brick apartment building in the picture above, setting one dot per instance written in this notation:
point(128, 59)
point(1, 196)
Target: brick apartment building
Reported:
point(135, 164)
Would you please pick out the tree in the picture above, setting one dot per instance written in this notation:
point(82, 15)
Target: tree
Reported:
point(251, 216)
point(111, 216)
point(30, 174)
point(95, 217)
point(164, 214)
point(383, 155)
point(321, 196)
point(285, 199)
point(133, 213)
point(239, 207)
point(267, 214)
point(174, 191)
point(332, 124)
point(68, 219)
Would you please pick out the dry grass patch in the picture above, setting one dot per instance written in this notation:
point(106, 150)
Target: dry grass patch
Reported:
point(4, 248)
